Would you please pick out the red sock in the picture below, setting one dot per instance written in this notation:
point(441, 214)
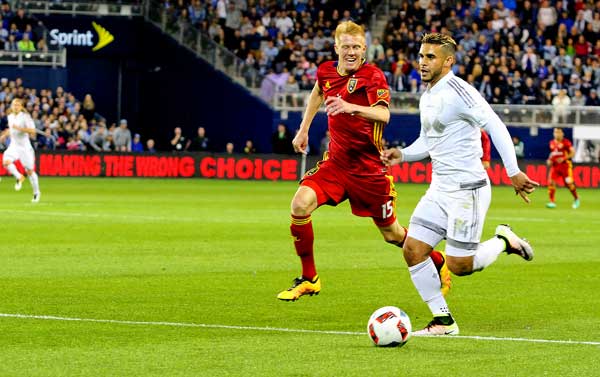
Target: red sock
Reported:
point(401, 244)
point(437, 259)
point(302, 233)
point(551, 192)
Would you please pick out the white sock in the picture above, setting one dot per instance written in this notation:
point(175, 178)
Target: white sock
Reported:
point(13, 170)
point(33, 179)
point(487, 252)
point(427, 281)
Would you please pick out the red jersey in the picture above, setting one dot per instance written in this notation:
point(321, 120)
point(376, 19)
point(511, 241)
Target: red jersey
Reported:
point(559, 149)
point(355, 142)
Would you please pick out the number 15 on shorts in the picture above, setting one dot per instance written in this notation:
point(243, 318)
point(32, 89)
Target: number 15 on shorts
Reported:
point(387, 209)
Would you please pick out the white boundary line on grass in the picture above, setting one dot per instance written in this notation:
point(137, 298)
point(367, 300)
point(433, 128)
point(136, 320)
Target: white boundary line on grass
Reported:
point(193, 219)
point(274, 329)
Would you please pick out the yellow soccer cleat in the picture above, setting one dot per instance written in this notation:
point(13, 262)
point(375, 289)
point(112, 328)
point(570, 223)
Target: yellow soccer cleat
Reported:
point(441, 266)
point(301, 287)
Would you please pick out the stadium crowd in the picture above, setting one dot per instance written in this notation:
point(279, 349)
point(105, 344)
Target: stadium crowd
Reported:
point(64, 123)
point(513, 51)
point(20, 31)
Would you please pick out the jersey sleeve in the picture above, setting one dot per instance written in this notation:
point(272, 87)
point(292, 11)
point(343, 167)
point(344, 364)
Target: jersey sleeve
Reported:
point(567, 144)
point(478, 112)
point(378, 91)
point(321, 73)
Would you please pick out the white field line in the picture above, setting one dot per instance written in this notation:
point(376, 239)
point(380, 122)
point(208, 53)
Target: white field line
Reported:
point(98, 215)
point(275, 329)
point(195, 219)
point(133, 218)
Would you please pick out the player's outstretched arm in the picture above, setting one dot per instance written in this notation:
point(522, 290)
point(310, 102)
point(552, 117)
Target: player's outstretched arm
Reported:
point(29, 131)
point(315, 99)
point(523, 185)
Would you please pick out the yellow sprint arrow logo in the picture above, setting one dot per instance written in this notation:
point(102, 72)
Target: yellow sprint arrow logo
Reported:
point(104, 37)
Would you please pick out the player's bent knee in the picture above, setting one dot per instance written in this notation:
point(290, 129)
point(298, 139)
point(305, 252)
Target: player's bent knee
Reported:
point(303, 205)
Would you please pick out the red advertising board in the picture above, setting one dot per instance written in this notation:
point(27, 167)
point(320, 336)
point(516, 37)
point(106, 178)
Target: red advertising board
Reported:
point(256, 167)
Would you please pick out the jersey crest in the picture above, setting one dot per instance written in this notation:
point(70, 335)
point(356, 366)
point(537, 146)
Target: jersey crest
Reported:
point(351, 85)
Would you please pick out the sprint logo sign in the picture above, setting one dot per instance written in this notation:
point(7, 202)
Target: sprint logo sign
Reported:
point(77, 38)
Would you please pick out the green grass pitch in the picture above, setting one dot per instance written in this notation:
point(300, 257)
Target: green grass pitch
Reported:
point(179, 278)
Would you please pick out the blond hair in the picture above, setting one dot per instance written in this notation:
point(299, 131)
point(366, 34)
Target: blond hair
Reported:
point(22, 102)
point(447, 43)
point(348, 27)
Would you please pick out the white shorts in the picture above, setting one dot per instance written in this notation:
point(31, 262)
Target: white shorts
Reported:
point(457, 216)
point(23, 154)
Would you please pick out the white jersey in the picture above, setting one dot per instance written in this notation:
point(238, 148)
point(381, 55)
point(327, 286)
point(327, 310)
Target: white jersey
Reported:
point(20, 138)
point(452, 113)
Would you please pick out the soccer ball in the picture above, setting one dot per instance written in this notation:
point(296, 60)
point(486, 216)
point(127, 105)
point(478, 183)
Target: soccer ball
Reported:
point(389, 327)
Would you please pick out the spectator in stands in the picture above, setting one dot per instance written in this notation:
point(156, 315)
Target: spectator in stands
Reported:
point(122, 137)
point(26, 44)
point(229, 148)
point(21, 20)
point(563, 62)
point(291, 90)
point(11, 44)
point(578, 98)
point(485, 88)
point(75, 144)
point(249, 148)
point(375, 51)
point(200, 143)
point(136, 144)
point(519, 147)
point(179, 142)
point(560, 107)
point(88, 108)
point(150, 146)
point(593, 99)
point(83, 133)
point(530, 92)
point(282, 140)
point(98, 139)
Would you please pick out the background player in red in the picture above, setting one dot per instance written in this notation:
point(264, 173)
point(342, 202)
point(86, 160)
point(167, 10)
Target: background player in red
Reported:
point(486, 146)
point(356, 97)
point(561, 167)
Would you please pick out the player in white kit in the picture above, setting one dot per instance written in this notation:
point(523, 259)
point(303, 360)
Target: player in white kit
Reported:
point(20, 129)
point(455, 205)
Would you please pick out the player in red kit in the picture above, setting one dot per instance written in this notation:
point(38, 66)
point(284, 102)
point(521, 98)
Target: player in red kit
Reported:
point(561, 167)
point(486, 146)
point(356, 97)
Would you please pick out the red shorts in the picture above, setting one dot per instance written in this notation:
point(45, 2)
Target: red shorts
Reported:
point(370, 195)
point(560, 172)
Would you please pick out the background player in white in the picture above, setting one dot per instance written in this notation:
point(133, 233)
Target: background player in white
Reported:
point(20, 129)
point(455, 205)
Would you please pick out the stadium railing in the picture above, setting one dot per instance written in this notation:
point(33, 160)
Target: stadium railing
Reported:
point(215, 54)
point(95, 8)
point(54, 58)
point(543, 116)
